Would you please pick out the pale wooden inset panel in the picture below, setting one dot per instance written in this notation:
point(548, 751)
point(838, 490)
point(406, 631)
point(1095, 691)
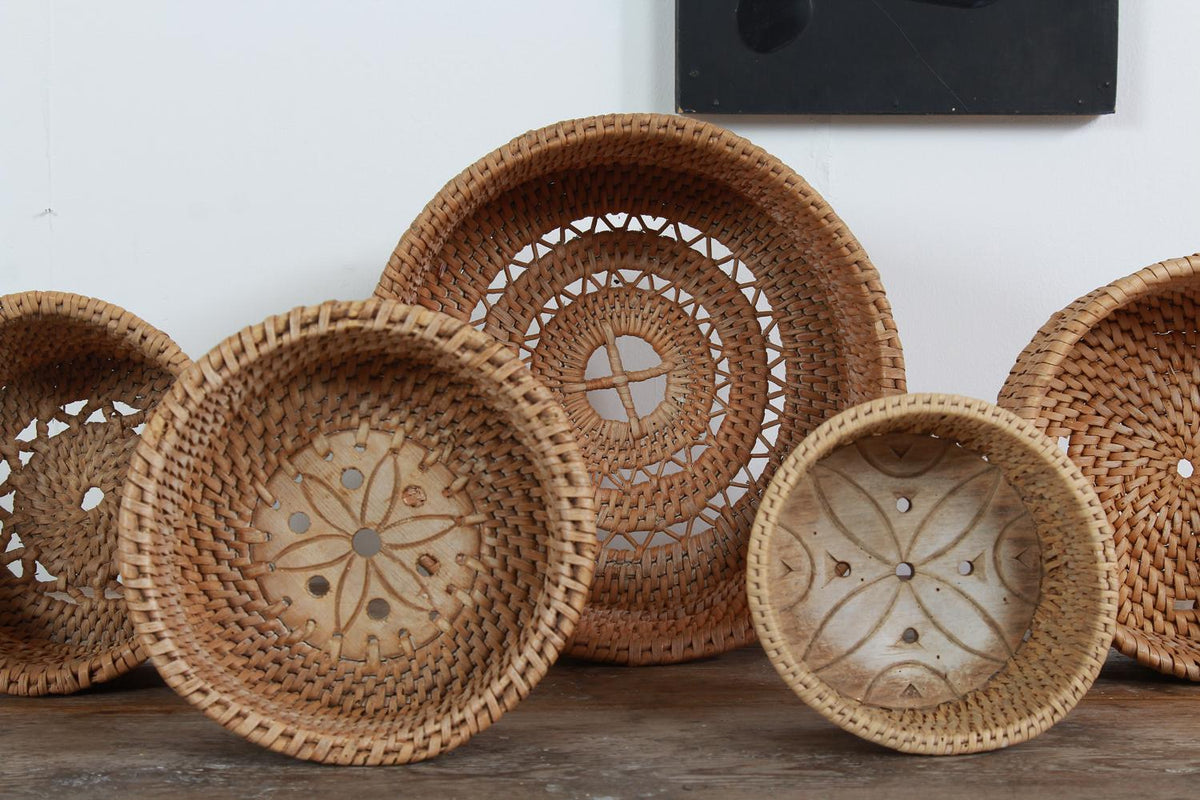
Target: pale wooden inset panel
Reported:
point(909, 570)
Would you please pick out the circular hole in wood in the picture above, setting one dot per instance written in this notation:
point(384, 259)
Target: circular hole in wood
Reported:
point(299, 522)
point(841, 569)
point(366, 542)
point(91, 498)
point(414, 496)
point(1184, 468)
point(378, 608)
point(903, 504)
point(352, 478)
point(318, 586)
point(904, 571)
point(965, 568)
point(910, 635)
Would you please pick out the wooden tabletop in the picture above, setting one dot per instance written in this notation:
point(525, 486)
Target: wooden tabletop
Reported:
point(722, 728)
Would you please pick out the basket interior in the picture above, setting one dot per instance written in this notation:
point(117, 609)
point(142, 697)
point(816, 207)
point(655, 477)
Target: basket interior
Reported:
point(357, 538)
point(74, 395)
point(1012, 614)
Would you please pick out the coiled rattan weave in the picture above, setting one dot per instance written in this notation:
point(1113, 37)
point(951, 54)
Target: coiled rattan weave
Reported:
point(757, 312)
point(78, 378)
point(1116, 379)
point(932, 574)
point(357, 533)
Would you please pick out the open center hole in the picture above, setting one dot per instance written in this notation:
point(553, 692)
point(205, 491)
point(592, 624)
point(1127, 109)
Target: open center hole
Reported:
point(636, 354)
point(904, 571)
point(366, 542)
point(1184, 468)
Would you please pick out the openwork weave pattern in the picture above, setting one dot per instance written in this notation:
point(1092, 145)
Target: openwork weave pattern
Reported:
point(78, 378)
point(1115, 378)
point(357, 533)
point(932, 574)
point(756, 311)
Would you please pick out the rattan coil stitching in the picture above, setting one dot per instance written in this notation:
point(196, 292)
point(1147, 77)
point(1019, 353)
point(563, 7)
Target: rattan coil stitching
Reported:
point(357, 533)
point(1072, 624)
point(1114, 376)
point(78, 377)
point(764, 313)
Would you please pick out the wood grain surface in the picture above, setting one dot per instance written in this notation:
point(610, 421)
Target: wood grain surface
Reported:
point(726, 727)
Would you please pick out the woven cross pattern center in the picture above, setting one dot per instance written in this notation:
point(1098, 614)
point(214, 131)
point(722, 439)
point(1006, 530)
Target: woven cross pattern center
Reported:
point(912, 570)
point(371, 545)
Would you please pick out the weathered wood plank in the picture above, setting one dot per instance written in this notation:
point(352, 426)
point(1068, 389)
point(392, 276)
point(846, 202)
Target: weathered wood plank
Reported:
point(727, 727)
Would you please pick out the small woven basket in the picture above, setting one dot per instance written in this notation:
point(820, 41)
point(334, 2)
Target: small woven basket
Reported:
point(756, 314)
point(357, 533)
point(931, 574)
point(1115, 378)
point(77, 379)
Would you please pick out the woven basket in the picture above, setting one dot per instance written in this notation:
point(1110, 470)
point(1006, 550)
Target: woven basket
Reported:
point(1116, 379)
point(77, 380)
point(757, 313)
point(357, 533)
point(930, 573)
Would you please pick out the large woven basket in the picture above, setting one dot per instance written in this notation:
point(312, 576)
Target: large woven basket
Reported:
point(357, 533)
point(756, 312)
point(1115, 378)
point(932, 574)
point(77, 379)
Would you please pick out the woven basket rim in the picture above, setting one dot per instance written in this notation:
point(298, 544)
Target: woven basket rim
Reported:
point(157, 348)
point(885, 726)
point(571, 559)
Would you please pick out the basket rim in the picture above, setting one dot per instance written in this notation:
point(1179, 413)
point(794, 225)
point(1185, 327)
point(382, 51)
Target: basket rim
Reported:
point(157, 348)
point(1040, 363)
point(613, 633)
point(878, 724)
point(563, 477)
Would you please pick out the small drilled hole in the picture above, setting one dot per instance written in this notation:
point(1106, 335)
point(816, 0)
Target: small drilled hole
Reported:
point(903, 504)
point(378, 608)
point(910, 635)
point(91, 498)
point(352, 478)
point(366, 542)
point(1064, 443)
point(1184, 468)
point(299, 478)
point(841, 569)
point(299, 522)
point(433, 615)
point(318, 586)
point(414, 496)
point(965, 568)
point(904, 571)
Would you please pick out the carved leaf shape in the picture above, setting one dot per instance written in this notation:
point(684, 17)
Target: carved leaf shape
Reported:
point(961, 619)
point(380, 496)
point(955, 515)
point(851, 622)
point(329, 505)
point(856, 514)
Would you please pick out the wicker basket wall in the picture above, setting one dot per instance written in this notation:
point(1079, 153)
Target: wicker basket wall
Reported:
point(1116, 379)
point(757, 312)
point(357, 533)
point(932, 574)
point(78, 378)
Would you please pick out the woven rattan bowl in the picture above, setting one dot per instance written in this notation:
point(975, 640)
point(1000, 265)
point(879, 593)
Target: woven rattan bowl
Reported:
point(696, 308)
point(930, 573)
point(77, 379)
point(357, 533)
point(1115, 378)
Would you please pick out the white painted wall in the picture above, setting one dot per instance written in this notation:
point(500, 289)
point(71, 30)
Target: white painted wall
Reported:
point(208, 164)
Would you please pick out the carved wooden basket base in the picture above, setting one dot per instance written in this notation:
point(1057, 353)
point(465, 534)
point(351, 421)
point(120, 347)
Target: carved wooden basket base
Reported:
point(930, 574)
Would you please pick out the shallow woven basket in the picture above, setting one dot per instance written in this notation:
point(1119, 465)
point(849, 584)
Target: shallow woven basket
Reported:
point(757, 313)
point(77, 379)
point(932, 574)
point(1116, 379)
point(357, 533)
